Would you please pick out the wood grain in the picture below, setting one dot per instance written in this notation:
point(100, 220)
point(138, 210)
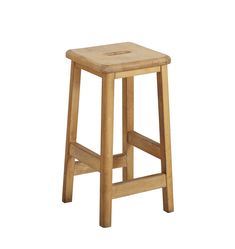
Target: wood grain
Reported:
point(85, 155)
point(106, 150)
point(165, 138)
point(91, 70)
point(128, 125)
point(119, 160)
point(130, 73)
point(117, 57)
point(138, 185)
point(121, 60)
point(82, 168)
point(92, 159)
point(71, 132)
point(144, 143)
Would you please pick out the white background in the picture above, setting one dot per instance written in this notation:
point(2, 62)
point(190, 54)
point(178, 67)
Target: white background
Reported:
point(34, 82)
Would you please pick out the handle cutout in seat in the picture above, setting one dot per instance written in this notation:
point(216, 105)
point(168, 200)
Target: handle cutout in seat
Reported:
point(118, 52)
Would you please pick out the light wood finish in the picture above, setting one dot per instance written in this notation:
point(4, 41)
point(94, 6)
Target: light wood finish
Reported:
point(122, 60)
point(71, 132)
point(119, 160)
point(90, 70)
point(130, 73)
point(92, 159)
point(139, 185)
point(117, 57)
point(165, 138)
point(144, 143)
point(82, 168)
point(106, 150)
point(128, 124)
point(85, 155)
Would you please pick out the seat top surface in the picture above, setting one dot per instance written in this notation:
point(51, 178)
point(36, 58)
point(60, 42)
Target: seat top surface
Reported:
point(117, 57)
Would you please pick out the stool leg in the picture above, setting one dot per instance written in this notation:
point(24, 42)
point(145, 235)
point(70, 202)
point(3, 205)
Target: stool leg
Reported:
point(106, 163)
point(71, 131)
point(165, 139)
point(128, 124)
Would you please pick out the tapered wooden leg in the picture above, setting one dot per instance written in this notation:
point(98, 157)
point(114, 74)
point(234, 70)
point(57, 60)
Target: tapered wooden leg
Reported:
point(128, 124)
point(106, 163)
point(165, 138)
point(71, 131)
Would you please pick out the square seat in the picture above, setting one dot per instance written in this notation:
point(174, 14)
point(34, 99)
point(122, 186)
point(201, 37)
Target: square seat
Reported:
point(117, 57)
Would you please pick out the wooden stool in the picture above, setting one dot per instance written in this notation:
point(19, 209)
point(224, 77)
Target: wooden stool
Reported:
point(110, 62)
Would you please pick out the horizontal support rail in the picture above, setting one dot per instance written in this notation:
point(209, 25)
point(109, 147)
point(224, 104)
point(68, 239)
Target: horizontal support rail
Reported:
point(119, 161)
point(90, 70)
point(138, 185)
point(144, 143)
point(85, 155)
point(130, 73)
point(82, 168)
point(92, 159)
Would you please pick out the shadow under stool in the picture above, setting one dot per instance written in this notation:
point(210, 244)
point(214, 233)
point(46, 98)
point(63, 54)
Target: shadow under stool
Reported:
point(110, 62)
